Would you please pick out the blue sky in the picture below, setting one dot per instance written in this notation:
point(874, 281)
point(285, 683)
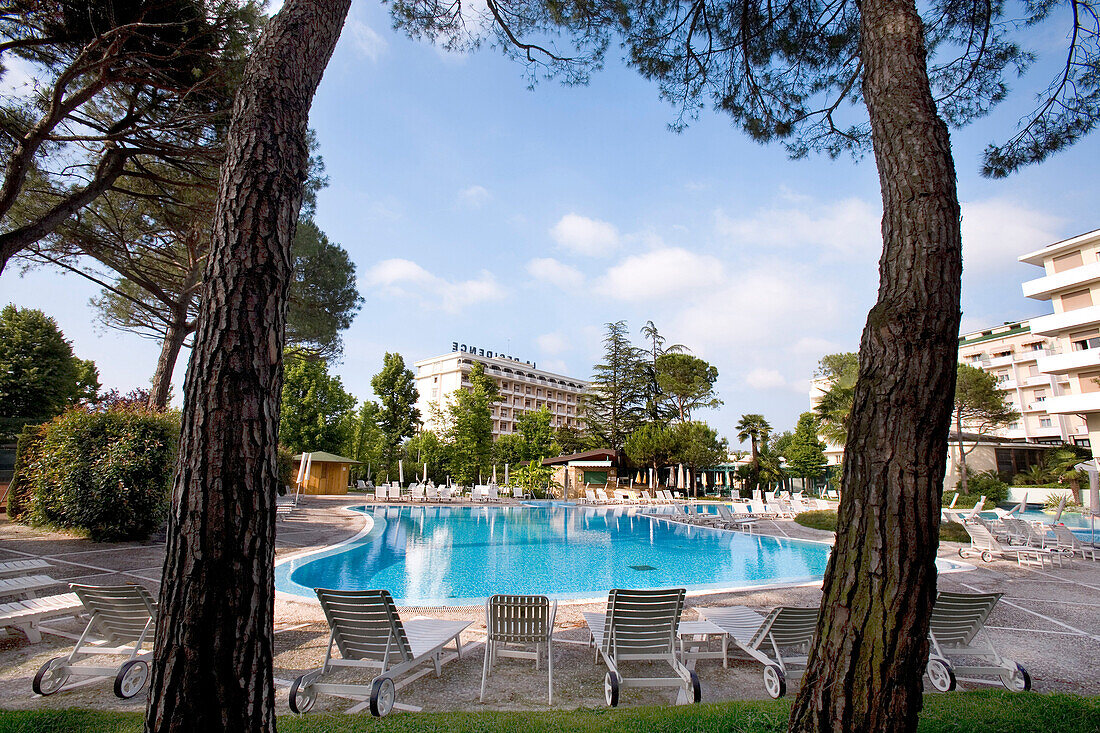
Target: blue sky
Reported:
point(480, 211)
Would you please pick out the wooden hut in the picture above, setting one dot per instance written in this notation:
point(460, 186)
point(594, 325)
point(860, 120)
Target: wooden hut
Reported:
point(328, 473)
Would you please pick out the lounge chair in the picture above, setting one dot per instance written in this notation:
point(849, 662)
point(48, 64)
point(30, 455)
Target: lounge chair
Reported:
point(590, 497)
point(381, 493)
point(957, 634)
point(445, 494)
point(601, 496)
point(395, 492)
point(431, 493)
point(782, 508)
point(25, 586)
point(1070, 543)
point(985, 545)
point(418, 493)
point(15, 567)
point(26, 615)
point(370, 635)
point(124, 616)
point(641, 625)
point(517, 492)
point(785, 627)
point(734, 522)
point(523, 621)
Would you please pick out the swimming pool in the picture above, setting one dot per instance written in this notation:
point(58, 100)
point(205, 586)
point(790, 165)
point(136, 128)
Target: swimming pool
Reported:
point(1076, 522)
point(439, 555)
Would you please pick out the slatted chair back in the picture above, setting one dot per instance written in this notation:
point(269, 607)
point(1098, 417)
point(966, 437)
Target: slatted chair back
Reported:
point(519, 619)
point(590, 495)
point(431, 493)
point(602, 496)
point(981, 538)
point(365, 625)
point(641, 624)
point(958, 617)
point(121, 614)
point(787, 626)
point(1066, 537)
point(381, 493)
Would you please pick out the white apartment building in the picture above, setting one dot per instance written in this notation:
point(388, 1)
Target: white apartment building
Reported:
point(523, 388)
point(1071, 282)
point(1011, 353)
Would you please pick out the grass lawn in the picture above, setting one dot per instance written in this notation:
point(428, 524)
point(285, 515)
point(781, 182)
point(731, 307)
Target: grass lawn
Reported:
point(826, 519)
point(987, 711)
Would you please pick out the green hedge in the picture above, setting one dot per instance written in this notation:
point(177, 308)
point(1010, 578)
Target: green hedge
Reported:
point(104, 473)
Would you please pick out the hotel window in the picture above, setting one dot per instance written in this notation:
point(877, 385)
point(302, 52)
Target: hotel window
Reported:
point(1044, 422)
point(1076, 300)
point(1040, 395)
point(1068, 261)
point(1002, 377)
point(1083, 340)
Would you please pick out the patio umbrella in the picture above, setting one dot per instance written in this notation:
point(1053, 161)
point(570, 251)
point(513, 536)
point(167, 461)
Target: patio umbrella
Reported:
point(425, 472)
point(505, 474)
point(400, 471)
point(301, 469)
point(1094, 497)
point(680, 481)
point(706, 482)
point(494, 473)
point(1058, 514)
point(650, 472)
point(1019, 508)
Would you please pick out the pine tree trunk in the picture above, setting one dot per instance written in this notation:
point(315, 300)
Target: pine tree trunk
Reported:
point(166, 363)
point(865, 670)
point(212, 669)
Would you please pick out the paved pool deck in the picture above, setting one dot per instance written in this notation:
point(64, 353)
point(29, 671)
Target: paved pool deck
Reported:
point(1048, 620)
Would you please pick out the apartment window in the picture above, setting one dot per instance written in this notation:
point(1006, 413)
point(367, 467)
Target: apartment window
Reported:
point(1076, 300)
point(1083, 340)
point(1089, 381)
point(1014, 426)
point(1040, 395)
point(1068, 261)
point(1044, 422)
point(1033, 370)
point(1002, 377)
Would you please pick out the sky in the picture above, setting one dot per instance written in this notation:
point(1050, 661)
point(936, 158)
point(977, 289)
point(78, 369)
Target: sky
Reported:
point(480, 211)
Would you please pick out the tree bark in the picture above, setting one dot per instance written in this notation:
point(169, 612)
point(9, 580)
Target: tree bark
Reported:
point(212, 668)
point(166, 362)
point(864, 672)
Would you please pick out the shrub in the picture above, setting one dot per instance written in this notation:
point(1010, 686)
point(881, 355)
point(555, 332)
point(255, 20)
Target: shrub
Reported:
point(286, 469)
point(818, 519)
point(1053, 500)
point(27, 452)
point(987, 484)
point(953, 532)
point(105, 473)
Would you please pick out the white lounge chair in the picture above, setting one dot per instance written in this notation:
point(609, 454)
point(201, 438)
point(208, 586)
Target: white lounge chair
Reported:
point(25, 586)
point(590, 497)
point(395, 492)
point(431, 493)
point(26, 615)
point(601, 496)
point(784, 628)
point(445, 493)
point(522, 621)
point(369, 633)
point(1068, 542)
point(641, 625)
point(381, 493)
point(124, 616)
point(730, 521)
point(418, 493)
point(985, 545)
point(15, 567)
point(960, 645)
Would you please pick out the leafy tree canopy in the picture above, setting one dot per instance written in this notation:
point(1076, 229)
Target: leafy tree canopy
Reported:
point(399, 417)
point(537, 433)
point(39, 375)
point(805, 453)
point(688, 381)
point(317, 413)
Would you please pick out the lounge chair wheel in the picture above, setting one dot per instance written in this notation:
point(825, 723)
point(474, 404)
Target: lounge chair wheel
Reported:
point(775, 682)
point(301, 698)
point(611, 688)
point(1016, 680)
point(131, 678)
point(940, 675)
point(50, 677)
point(963, 553)
point(696, 688)
point(382, 696)
point(987, 556)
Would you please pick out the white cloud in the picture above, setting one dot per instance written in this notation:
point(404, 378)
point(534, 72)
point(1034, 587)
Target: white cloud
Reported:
point(474, 197)
point(849, 227)
point(814, 346)
point(368, 44)
point(585, 236)
point(552, 343)
point(549, 270)
point(406, 279)
point(997, 231)
point(761, 378)
point(667, 271)
point(557, 366)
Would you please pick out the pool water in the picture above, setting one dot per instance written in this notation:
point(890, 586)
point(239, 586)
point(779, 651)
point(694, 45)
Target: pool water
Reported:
point(437, 555)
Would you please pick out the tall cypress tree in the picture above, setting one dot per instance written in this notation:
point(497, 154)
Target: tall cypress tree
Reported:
point(615, 404)
point(399, 418)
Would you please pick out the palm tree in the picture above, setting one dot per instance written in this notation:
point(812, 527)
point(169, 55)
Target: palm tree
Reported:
point(833, 410)
point(753, 428)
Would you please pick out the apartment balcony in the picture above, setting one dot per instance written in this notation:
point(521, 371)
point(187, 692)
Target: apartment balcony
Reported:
point(1048, 431)
point(1058, 323)
point(1039, 380)
point(1069, 404)
point(998, 361)
point(1041, 288)
point(1036, 406)
point(1071, 361)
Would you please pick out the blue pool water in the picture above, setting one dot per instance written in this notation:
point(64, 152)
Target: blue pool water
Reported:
point(436, 555)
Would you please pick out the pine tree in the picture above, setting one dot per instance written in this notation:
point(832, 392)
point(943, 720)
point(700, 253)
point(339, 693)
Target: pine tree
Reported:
point(615, 404)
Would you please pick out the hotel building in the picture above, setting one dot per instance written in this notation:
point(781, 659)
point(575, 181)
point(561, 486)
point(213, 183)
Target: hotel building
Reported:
point(523, 388)
point(1071, 282)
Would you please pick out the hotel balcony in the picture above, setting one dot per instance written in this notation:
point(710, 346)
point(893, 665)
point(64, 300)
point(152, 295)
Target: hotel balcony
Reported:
point(1057, 323)
point(1050, 431)
point(998, 361)
point(1070, 361)
point(1069, 404)
point(1041, 288)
